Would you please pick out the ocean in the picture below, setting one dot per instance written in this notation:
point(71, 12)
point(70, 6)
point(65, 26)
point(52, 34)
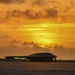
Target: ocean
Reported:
point(36, 68)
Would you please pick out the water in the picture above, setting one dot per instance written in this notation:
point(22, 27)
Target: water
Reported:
point(36, 68)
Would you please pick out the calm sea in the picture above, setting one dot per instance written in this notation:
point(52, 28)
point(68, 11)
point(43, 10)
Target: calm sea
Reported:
point(36, 68)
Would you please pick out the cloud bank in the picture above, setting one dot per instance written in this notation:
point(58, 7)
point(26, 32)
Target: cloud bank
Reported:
point(16, 47)
point(11, 1)
point(31, 14)
point(48, 10)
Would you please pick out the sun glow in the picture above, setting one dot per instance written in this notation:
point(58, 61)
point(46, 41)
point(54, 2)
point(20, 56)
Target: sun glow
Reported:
point(44, 33)
point(40, 33)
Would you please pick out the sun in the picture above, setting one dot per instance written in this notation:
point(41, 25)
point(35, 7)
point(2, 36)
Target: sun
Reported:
point(43, 37)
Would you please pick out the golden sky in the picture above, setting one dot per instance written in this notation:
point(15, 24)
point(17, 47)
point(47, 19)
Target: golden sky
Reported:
point(29, 26)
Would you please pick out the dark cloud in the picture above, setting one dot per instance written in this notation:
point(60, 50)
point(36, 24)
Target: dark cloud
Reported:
point(28, 14)
point(23, 14)
point(39, 2)
point(27, 43)
point(51, 13)
point(63, 18)
point(53, 1)
point(39, 9)
point(15, 41)
point(33, 47)
point(44, 2)
point(37, 48)
point(31, 14)
point(11, 1)
point(14, 13)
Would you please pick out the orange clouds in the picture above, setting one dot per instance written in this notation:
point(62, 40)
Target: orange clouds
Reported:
point(11, 1)
point(31, 14)
point(16, 47)
point(55, 11)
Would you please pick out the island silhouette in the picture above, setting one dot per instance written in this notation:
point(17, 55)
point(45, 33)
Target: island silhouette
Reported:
point(36, 57)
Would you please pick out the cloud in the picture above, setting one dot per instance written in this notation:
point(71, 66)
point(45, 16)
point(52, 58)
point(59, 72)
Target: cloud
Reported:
point(44, 2)
point(54, 1)
point(34, 48)
point(11, 1)
point(15, 41)
point(4, 36)
point(70, 6)
point(39, 2)
point(14, 13)
point(29, 15)
point(38, 48)
point(51, 13)
point(63, 18)
point(17, 47)
point(63, 53)
point(32, 14)
point(49, 10)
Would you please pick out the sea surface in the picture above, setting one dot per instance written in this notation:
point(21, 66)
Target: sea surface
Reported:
point(36, 68)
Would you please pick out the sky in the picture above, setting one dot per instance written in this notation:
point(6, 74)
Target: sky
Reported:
point(31, 26)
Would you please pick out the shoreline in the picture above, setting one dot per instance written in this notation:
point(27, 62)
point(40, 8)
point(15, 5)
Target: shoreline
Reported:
point(22, 60)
